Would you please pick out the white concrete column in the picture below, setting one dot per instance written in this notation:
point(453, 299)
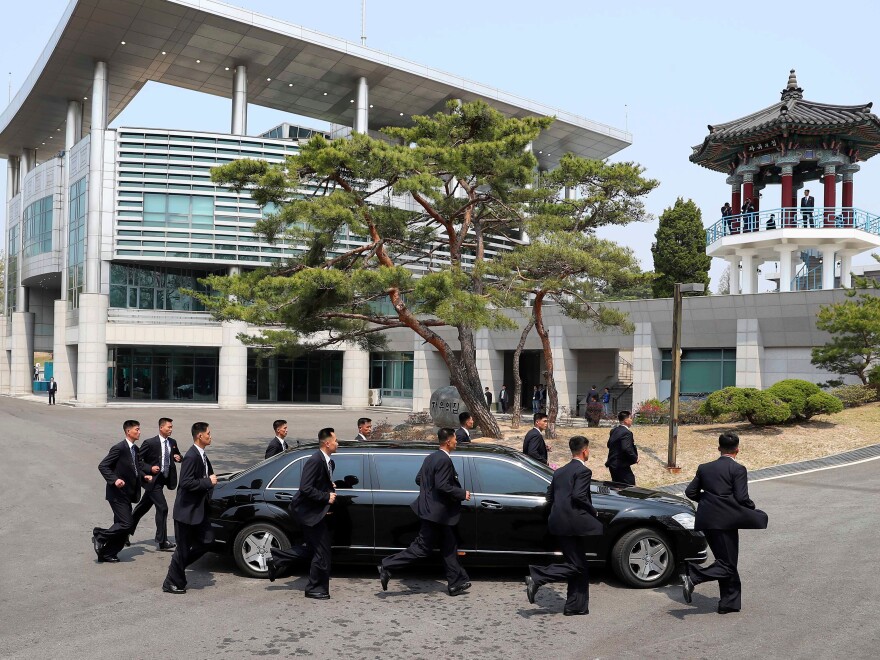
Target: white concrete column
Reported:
point(91, 364)
point(28, 161)
point(96, 183)
point(749, 353)
point(4, 360)
point(21, 382)
point(755, 266)
point(355, 378)
point(786, 272)
point(62, 368)
point(748, 269)
point(565, 371)
point(733, 265)
point(490, 365)
point(239, 101)
point(846, 269)
point(646, 364)
point(232, 375)
point(828, 255)
point(12, 176)
point(362, 107)
point(73, 125)
point(429, 373)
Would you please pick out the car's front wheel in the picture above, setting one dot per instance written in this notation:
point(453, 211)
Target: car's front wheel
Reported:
point(642, 558)
point(253, 547)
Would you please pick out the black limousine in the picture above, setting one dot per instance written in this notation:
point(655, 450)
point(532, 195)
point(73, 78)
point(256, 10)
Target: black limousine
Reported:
point(505, 522)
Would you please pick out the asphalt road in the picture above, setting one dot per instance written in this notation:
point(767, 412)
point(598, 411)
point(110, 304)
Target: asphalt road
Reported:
point(809, 581)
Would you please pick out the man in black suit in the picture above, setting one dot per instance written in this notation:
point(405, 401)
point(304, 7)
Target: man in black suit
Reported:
point(807, 206)
point(488, 396)
point(277, 444)
point(622, 452)
point(365, 429)
point(160, 451)
point(572, 517)
point(192, 525)
point(123, 470)
point(53, 388)
point(533, 443)
point(439, 508)
point(721, 488)
point(311, 506)
point(463, 432)
point(503, 399)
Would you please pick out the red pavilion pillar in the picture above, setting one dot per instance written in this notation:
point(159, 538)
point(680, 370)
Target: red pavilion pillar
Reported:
point(847, 193)
point(830, 201)
point(735, 182)
point(789, 194)
point(748, 193)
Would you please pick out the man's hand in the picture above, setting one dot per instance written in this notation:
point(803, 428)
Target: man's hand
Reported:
point(177, 458)
point(119, 483)
point(213, 479)
point(332, 498)
point(148, 478)
point(155, 469)
point(467, 495)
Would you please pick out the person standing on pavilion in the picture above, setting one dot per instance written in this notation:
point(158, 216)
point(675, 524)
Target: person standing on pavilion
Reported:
point(727, 216)
point(807, 205)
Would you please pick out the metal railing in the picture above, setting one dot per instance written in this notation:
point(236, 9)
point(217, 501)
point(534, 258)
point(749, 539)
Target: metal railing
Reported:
point(794, 218)
point(159, 317)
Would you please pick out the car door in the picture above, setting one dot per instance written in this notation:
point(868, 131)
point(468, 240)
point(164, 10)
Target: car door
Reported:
point(352, 513)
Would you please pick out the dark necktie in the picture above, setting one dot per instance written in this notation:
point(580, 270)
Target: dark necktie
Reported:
point(134, 461)
point(165, 457)
point(332, 467)
point(283, 445)
point(205, 462)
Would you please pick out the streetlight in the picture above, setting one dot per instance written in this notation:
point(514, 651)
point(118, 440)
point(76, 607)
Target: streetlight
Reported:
point(672, 455)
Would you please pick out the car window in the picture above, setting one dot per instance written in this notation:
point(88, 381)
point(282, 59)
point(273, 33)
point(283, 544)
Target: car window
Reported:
point(289, 478)
point(348, 473)
point(397, 472)
point(504, 478)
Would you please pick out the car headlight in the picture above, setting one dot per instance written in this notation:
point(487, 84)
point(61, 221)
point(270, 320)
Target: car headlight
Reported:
point(686, 520)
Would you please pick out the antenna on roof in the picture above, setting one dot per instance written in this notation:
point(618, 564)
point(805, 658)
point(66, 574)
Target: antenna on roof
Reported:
point(363, 22)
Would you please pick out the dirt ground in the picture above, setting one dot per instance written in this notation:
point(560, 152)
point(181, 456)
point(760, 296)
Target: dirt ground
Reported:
point(759, 446)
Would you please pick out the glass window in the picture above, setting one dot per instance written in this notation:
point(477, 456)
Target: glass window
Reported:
point(504, 478)
point(349, 471)
point(37, 227)
point(290, 477)
point(397, 472)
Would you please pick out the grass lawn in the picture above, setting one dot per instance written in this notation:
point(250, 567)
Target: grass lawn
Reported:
point(759, 446)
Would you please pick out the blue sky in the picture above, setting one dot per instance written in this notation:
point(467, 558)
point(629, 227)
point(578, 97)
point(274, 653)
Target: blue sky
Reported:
point(662, 70)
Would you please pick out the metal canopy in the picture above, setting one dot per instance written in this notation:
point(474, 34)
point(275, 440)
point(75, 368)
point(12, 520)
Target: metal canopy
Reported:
point(311, 74)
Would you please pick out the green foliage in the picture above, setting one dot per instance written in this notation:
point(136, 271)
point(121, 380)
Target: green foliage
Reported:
point(874, 376)
point(760, 408)
point(854, 325)
point(794, 393)
point(651, 411)
point(689, 412)
point(852, 396)
point(822, 403)
point(680, 249)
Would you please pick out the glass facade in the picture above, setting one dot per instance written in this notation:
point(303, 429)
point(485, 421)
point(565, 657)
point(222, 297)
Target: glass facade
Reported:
point(37, 224)
point(76, 242)
point(310, 378)
point(163, 373)
point(12, 268)
point(145, 287)
point(162, 210)
point(392, 373)
point(703, 370)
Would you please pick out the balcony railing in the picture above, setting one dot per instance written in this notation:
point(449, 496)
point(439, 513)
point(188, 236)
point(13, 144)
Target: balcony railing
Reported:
point(159, 317)
point(793, 218)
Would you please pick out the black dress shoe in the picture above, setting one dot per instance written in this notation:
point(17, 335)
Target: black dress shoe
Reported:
point(576, 612)
point(99, 547)
point(687, 587)
point(460, 589)
point(531, 589)
point(317, 595)
point(272, 568)
point(128, 541)
point(726, 610)
point(110, 559)
point(167, 546)
point(169, 588)
point(384, 576)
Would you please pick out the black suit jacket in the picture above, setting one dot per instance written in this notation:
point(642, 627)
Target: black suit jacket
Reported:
point(118, 464)
point(462, 435)
point(721, 488)
point(151, 454)
point(571, 505)
point(534, 445)
point(502, 396)
point(274, 447)
point(312, 501)
point(622, 450)
point(807, 202)
point(440, 492)
point(191, 504)
point(488, 396)
point(53, 388)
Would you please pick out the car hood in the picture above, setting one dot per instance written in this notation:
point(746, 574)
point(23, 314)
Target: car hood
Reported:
point(643, 494)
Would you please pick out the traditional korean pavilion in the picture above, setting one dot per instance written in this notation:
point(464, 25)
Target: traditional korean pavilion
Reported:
point(790, 144)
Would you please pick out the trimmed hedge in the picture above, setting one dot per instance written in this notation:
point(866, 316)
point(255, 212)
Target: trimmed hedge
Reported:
point(786, 401)
point(795, 393)
point(854, 395)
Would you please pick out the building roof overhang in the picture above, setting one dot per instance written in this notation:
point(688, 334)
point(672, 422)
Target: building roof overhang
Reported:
point(290, 68)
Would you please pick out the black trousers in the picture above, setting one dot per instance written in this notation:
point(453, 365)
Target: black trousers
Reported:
point(114, 537)
point(574, 571)
point(154, 497)
point(192, 542)
point(808, 218)
point(623, 474)
point(318, 542)
point(432, 535)
point(724, 544)
point(51, 398)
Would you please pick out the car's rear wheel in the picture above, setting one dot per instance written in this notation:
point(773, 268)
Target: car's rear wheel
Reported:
point(642, 558)
point(253, 547)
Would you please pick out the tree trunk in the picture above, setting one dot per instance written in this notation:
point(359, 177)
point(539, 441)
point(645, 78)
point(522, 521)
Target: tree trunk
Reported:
point(552, 397)
point(516, 415)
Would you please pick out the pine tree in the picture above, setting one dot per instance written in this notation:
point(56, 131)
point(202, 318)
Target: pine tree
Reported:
point(680, 249)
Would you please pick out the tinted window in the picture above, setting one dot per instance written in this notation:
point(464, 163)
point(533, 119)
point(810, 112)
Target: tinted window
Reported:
point(290, 477)
point(503, 478)
point(349, 471)
point(398, 472)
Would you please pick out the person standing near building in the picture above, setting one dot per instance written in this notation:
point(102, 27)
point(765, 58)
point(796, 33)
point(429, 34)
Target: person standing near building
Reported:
point(536, 400)
point(488, 396)
point(192, 525)
point(747, 213)
point(277, 444)
point(438, 506)
point(622, 452)
point(53, 388)
point(124, 471)
point(606, 402)
point(463, 432)
point(721, 489)
point(808, 203)
point(159, 451)
point(365, 429)
point(533, 443)
point(572, 518)
point(502, 398)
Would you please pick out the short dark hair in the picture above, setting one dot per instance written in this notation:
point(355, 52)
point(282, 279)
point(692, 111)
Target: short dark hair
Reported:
point(463, 417)
point(444, 434)
point(278, 423)
point(622, 415)
point(728, 442)
point(577, 443)
point(199, 427)
point(165, 420)
point(538, 416)
point(364, 420)
point(129, 423)
point(606, 389)
point(324, 434)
